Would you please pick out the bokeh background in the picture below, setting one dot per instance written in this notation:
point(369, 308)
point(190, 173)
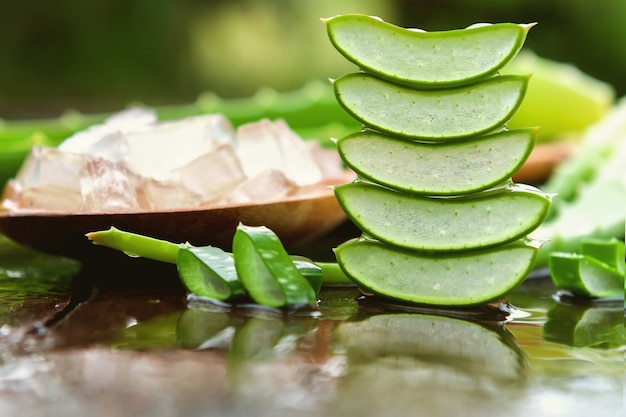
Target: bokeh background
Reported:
point(101, 55)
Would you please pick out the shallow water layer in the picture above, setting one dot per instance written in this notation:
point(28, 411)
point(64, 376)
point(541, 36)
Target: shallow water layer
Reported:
point(153, 351)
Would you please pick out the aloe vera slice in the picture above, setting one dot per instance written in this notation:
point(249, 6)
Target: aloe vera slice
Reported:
point(425, 58)
point(209, 272)
point(466, 278)
point(437, 169)
point(432, 115)
point(584, 275)
point(266, 270)
point(608, 251)
point(443, 224)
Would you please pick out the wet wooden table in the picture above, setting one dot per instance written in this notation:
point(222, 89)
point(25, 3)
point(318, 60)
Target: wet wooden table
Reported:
point(121, 340)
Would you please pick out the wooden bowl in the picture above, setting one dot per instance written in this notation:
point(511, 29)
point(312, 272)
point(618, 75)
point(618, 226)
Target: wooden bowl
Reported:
point(295, 220)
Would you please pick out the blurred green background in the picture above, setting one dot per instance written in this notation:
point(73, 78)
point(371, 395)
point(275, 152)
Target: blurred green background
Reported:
point(100, 55)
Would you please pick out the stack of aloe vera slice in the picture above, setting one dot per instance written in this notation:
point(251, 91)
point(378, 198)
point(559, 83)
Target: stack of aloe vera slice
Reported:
point(442, 221)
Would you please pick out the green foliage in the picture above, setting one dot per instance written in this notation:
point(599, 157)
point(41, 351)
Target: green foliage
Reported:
point(100, 55)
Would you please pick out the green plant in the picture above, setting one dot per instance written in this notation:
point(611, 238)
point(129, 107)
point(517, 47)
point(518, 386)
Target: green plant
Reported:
point(258, 268)
point(595, 270)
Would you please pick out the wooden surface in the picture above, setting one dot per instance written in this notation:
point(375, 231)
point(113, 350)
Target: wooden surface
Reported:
point(121, 352)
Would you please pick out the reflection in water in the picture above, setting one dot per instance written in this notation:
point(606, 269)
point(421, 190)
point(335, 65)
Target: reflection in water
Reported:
point(471, 348)
point(368, 361)
point(441, 364)
point(303, 363)
point(599, 325)
point(157, 332)
point(273, 366)
point(201, 329)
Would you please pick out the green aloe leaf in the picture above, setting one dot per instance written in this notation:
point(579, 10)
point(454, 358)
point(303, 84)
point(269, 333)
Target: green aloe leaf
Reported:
point(267, 272)
point(431, 115)
point(209, 272)
point(585, 276)
point(437, 168)
point(421, 58)
point(608, 251)
point(481, 220)
point(447, 279)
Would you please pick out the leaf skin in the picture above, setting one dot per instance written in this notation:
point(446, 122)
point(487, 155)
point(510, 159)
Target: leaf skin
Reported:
point(585, 276)
point(209, 272)
point(267, 272)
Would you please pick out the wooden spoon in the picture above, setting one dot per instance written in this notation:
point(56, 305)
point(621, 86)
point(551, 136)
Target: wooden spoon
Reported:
point(295, 220)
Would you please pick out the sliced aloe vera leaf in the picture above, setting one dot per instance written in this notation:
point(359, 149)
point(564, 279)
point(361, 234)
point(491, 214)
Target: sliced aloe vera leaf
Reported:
point(437, 168)
point(585, 276)
point(446, 279)
point(432, 115)
point(425, 58)
point(208, 272)
point(267, 272)
point(443, 224)
point(608, 251)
